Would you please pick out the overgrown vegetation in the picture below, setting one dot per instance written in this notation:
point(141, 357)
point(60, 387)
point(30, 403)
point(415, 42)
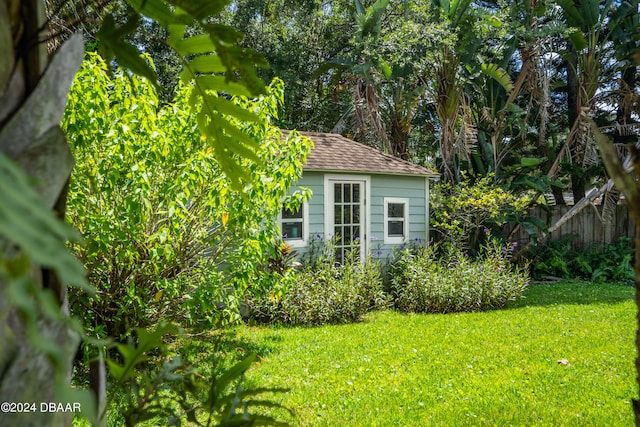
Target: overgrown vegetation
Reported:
point(464, 212)
point(424, 280)
point(170, 388)
point(417, 279)
point(165, 235)
point(505, 93)
point(319, 293)
point(596, 262)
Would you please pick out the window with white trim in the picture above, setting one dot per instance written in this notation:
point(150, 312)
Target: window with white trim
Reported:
point(293, 225)
point(396, 220)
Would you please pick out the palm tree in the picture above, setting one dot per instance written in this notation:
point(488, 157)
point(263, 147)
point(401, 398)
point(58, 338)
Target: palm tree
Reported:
point(447, 87)
point(365, 112)
point(586, 55)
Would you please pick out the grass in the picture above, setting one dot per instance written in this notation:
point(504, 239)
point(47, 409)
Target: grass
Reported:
point(563, 355)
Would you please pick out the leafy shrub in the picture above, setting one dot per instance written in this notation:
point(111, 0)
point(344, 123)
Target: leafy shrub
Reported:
point(325, 293)
point(152, 385)
point(461, 212)
point(595, 262)
point(422, 282)
point(159, 219)
point(552, 258)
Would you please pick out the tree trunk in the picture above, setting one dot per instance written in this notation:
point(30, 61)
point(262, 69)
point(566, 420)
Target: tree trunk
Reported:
point(573, 89)
point(33, 95)
point(558, 195)
point(573, 111)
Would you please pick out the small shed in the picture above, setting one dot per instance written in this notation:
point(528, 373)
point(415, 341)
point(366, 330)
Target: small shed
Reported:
point(359, 196)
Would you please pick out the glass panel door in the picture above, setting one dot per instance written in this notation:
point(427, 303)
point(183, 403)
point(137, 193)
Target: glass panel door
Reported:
point(348, 217)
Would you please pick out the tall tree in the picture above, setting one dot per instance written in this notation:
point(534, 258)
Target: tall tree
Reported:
point(297, 38)
point(448, 92)
point(586, 55)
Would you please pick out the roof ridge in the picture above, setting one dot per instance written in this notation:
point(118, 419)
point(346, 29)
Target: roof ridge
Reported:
point(325, 156)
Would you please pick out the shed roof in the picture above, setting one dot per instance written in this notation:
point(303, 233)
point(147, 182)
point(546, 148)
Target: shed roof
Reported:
point(335, 153)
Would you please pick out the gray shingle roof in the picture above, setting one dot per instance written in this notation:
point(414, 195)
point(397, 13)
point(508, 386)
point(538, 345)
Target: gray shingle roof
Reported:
point(335, 153)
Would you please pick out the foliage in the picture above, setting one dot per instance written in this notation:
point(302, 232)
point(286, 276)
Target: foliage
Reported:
point(211, 59)
point(31, 233)
point(327, 292)
point(595, 262)
point(172, 390)
point(489, 80)
point(38, 268)
point(464, 212)
point(282, 259)
point(156, 211)
point(462, 369)
point(424, 283)
point(22, 213)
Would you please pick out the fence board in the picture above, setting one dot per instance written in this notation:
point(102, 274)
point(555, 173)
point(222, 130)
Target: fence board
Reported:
point(587, 226)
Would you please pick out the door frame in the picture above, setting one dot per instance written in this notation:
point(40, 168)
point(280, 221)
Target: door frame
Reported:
point(365, 180)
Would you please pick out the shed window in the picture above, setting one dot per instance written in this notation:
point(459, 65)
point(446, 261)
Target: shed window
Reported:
point(396, 220)
point(293, 224)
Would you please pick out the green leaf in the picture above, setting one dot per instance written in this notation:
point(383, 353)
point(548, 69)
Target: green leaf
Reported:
point(207, 64)
point(176, 33)
point(135, 354)
point(158, 11)
point(533, 182)
point(532, 161)
point(530, 228)
point(224, 33)
point(195, 45)
point(499, 75)
point(26, 222)
point(227, 107)
point(338, 66)
point(220, 84)
point(570, 12)
point(234, 373)
point(578, 39)
point(200, 10)
point(125, 53)
point(385, 69)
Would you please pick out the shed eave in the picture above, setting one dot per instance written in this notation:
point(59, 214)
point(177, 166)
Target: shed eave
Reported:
point(371, 172)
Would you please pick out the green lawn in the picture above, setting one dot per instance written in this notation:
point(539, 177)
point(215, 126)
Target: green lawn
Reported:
point(493, 368)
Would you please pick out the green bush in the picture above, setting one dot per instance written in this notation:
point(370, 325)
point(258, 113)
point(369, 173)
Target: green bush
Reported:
point(463, 212)
point(325, 293)
point(595, 262)
point(423, 282)
point(160, 220)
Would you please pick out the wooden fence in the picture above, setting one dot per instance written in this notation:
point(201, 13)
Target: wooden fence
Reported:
point(587, 226)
